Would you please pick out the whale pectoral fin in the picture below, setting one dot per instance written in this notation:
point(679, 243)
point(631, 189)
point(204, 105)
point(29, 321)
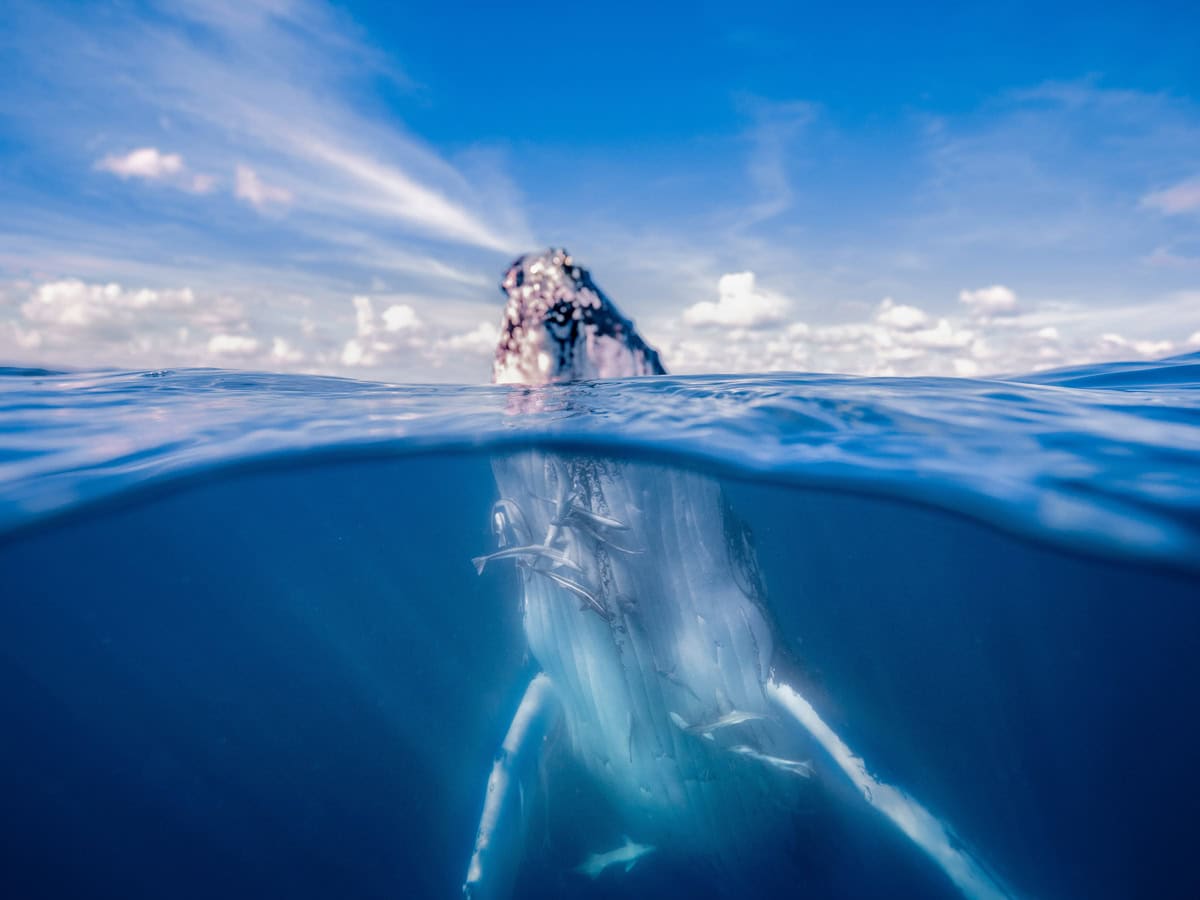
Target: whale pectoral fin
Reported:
point(500, 840)
point(920, 826)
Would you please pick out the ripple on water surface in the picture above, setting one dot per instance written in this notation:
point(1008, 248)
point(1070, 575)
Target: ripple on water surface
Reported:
point(1103, 458)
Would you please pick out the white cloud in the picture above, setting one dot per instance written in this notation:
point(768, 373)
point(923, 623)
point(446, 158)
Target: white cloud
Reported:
point(400, 317)
point(70, 322)
point(1153, 349)
point(898, 339)
point(232, 345)
point(151, 164)
point(283, 353)
point(355, 353)
point(75, 323)
point(942, 336)
point(145, 162)
point(901, 317)
point(1147, 349)
point(23, 339)
point(1183, 197)
point(368, 347)
point(966, 368)
point(482, 339)
point(740, 304)
point(71, 304)
point(251, 188)
point(996, 300)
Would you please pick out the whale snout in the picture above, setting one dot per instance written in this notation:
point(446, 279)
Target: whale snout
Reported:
point(558, 326)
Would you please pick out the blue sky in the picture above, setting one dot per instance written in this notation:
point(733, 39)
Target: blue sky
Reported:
point(938, 189)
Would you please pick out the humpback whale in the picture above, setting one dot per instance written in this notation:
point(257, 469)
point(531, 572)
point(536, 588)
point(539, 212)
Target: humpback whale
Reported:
point(661, 669)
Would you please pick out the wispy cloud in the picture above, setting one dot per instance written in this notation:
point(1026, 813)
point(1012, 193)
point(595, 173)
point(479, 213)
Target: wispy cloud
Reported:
point(775, 128)
point(1060, 167)
point(1183, 197)
point(1171, 258)
point(280, 90)
point(389, 192)
point(273, 94)
point(250, 187)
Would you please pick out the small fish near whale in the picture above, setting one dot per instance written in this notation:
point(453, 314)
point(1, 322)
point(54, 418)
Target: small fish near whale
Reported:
point(625, 856)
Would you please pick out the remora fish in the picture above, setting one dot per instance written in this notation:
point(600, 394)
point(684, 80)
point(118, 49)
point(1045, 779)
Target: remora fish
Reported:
point(686, 631)
point(589, 599)
point(626, 855)
point(737, 717)
point(796, 766)
point(592, 518)
point(537, 550)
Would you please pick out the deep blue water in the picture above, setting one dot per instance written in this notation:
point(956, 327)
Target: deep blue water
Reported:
point(243, 651)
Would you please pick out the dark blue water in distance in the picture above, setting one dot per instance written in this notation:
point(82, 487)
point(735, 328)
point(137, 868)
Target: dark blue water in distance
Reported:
point(243, 651)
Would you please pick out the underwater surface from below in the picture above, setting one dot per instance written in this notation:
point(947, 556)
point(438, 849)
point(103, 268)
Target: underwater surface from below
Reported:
point(244, 650)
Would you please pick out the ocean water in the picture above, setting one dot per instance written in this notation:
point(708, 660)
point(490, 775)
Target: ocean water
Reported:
point(244, 652)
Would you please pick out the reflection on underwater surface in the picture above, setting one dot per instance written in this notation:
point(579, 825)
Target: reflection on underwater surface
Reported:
point(1105, 458)
point(293, 682)
point(290, 680)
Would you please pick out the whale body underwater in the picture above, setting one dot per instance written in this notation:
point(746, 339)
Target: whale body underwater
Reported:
point(660, 671)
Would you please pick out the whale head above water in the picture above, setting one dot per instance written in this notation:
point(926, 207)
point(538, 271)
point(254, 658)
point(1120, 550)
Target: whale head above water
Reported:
point(559, 326)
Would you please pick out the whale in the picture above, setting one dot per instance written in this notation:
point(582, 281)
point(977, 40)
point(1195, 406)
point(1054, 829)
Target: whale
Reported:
point(660, 671)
